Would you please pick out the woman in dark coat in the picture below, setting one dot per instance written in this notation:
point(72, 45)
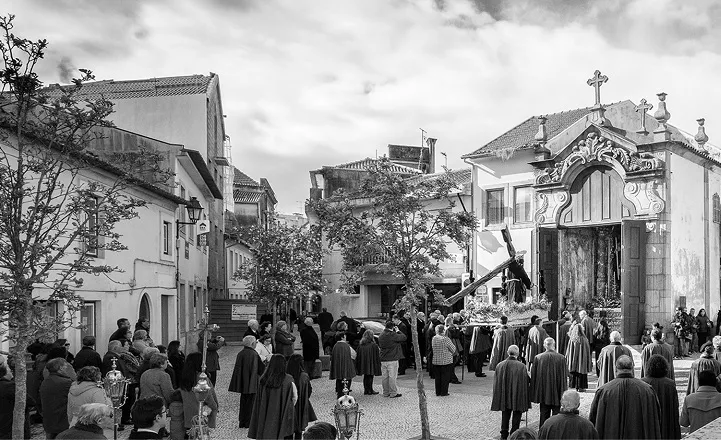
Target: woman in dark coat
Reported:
point(304, 412)
point(368, 361)
point(176, 358)
point(283, 340)
point(246, 373)
point(601, 338)
point(578, 356)
point(667, 394)
point(212, 360)
point(704, 327)
point(273, 409)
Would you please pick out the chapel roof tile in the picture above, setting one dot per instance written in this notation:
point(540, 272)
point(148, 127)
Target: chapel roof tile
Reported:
point(243, 196)
point(240, 178)
point(364, 164)
point(145, 88)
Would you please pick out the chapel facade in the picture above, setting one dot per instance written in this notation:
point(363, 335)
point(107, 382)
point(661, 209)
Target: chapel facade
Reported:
point(616, 208)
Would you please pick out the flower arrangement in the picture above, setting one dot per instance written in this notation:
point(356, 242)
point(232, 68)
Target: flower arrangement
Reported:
point(485, 312)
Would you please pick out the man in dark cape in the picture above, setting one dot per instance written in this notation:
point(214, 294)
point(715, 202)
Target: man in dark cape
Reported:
point(704, 405)
point(705, 362)
point(608, 356)
point(568, 424)
point(247, 371)
point(510, 391)
point(589, 325)
point(503, 338)
point(478, 348)
point(311, 346)
point(578, 357)
point(341, 364)
point(549, 379)
point(657, 346)
point(535, 342)
point(273, 411)
point(667, 395)
point(626, 407)
point(564, 325)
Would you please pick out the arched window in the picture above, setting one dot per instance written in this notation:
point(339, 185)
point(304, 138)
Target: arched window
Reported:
point(716, 209)
point(144, 307)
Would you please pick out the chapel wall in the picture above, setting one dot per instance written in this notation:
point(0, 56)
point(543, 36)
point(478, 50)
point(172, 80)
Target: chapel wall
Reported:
point(713, 301)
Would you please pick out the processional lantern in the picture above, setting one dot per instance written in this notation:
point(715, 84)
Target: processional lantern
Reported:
point(347, 414)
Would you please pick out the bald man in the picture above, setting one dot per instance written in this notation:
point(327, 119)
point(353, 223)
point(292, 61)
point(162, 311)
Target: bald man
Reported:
point(568, 424)
point(626, 407)
point(549, 379)
point(608, 356)
point(510, 391)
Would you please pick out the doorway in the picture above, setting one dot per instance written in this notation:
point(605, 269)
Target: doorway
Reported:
point(144, 311)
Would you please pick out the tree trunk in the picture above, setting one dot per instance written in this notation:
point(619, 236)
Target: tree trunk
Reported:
point(422, 403)
point(21, 376)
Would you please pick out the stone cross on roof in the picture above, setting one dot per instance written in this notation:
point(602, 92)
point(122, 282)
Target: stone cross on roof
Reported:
point(643, 107)
point(596, 82)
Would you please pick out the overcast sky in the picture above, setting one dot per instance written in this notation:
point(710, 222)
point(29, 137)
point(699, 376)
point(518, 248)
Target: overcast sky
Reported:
point(307, 83)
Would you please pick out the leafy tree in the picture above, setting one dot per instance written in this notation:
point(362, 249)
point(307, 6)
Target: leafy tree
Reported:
point(53, 217)
point(287, 262)
point(386, 225)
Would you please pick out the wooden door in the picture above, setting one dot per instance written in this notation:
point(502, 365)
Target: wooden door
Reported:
point(633, 279)
point(548, 267)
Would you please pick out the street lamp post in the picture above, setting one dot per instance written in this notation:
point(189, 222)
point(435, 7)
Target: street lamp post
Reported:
point(194, 210)
point(347, 414)
point(115, 385)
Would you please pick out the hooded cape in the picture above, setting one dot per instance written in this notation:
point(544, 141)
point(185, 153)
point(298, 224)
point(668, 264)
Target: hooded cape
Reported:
point(627, 408)
point(341, 364)
point(311, 345)
point(502, 339)
point(510, 387)
point(578, 352)
point(304, 412)
point(667, 395)
point(273, 411)
point(563, 336)
point(480, 341)
point(607, 361)
point(549, 378)
point(660, 348)
point(534, 343)
point(246, 372)
point(701, 364)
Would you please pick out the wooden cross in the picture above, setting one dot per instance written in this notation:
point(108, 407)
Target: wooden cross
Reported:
point(643, 107)
point(596, 82)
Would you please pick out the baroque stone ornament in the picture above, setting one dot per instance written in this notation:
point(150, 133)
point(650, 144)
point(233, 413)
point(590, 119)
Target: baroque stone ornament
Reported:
point(596, 148)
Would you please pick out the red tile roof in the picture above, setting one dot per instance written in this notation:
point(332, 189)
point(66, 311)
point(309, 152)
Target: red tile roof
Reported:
point(459, 177)
point(240, 178)
point(522, 135)
point(364, 164)
point(144, 88)
point(243, 196)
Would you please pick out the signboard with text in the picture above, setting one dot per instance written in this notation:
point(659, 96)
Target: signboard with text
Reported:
point(243, 312)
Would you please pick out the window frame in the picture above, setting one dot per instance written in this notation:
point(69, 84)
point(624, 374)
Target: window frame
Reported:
point(92, 224)
point(167, 238)
point(516, 221)
point(716, 208)
point(487, 206)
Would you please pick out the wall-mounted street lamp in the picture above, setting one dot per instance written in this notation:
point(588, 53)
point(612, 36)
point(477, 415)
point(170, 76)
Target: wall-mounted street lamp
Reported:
point(194, 210)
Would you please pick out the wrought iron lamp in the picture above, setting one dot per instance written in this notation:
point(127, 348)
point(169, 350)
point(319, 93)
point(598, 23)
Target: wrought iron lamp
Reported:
point(347, 414)
point(115, 385)
point(200, 429)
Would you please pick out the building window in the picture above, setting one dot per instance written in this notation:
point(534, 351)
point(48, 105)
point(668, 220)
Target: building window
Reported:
point(181, 215)
point(522, 197)
point(167, 237)
point(716, 209)
point(91, 226)
point(494, 207)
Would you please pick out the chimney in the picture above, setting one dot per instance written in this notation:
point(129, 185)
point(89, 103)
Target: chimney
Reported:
point(431, 142)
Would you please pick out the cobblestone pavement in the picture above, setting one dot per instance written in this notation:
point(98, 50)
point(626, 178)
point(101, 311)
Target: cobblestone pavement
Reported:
point(465, 414)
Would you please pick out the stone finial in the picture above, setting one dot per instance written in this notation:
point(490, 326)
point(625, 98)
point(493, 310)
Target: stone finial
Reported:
point(542, 135)
point(701, 137)
point(662, 116)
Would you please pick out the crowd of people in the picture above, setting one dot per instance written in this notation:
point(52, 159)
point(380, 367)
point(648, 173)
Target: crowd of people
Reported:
point(623, 407)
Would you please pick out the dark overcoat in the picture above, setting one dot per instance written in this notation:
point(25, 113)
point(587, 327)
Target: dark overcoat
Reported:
point(304, 412)
point(273, 411)
point(503, 338)
point(667, 395)
point(660, 348)
point(567, 426)
point(549, 378)
point(480, 341)
point(246, 373)
point(311, 346)
point(510, 387)
point(607, 361)
point(534, 344)
point(562, 342)
point(368, 360)
point(626, 408)
point(54, 396)
point(341, 363)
